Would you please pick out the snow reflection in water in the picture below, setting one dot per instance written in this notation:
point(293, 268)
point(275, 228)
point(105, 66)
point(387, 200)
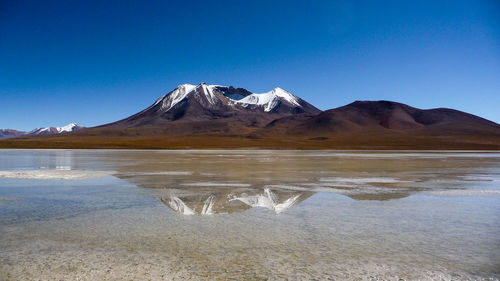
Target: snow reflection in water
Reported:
point(217, 201)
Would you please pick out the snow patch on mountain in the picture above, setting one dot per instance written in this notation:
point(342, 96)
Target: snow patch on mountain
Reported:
point(270, 99)
point(289, 97)
point(208, 90)
point(67, 128)
point(266, 100)
point(170, 100)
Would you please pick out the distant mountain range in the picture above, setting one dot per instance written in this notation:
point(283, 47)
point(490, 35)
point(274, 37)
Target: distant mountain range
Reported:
point(215, 116)
point(9, 133)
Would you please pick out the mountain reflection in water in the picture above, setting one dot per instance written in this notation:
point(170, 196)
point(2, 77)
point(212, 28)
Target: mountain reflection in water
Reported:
point(192, 194)
point(205, 201)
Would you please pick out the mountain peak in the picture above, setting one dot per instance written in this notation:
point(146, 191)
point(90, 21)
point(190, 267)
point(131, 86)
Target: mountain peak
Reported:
point(210, 102)
point(211, 95)
point(68, 128)
point(291, 98)
point(56, 130)
point(186, 85)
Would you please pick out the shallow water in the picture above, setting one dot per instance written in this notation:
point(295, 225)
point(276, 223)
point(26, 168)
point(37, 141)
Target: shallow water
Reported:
point(249, 215)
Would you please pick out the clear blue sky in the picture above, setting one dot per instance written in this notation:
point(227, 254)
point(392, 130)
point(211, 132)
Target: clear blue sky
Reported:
point(94, 62)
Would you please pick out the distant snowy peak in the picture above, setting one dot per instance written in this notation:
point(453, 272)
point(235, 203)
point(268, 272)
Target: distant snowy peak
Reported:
point(212, 95)
point(56, 130)
point(68, 128)
point(8, 133)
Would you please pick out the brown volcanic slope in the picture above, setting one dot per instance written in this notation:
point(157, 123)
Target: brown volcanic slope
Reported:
point(359, 125)
point(386, 124)
point(384, 116)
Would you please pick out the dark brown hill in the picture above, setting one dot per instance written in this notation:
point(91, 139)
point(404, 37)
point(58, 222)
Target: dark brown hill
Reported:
point(384, 117)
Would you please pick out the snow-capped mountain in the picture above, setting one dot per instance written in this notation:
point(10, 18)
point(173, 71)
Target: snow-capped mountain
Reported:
point(205, 102)
point(213, 95)
point(56, 130)
point(9, 133)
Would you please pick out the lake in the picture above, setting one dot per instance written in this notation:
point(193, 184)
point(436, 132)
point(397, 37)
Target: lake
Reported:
point(249, 215)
